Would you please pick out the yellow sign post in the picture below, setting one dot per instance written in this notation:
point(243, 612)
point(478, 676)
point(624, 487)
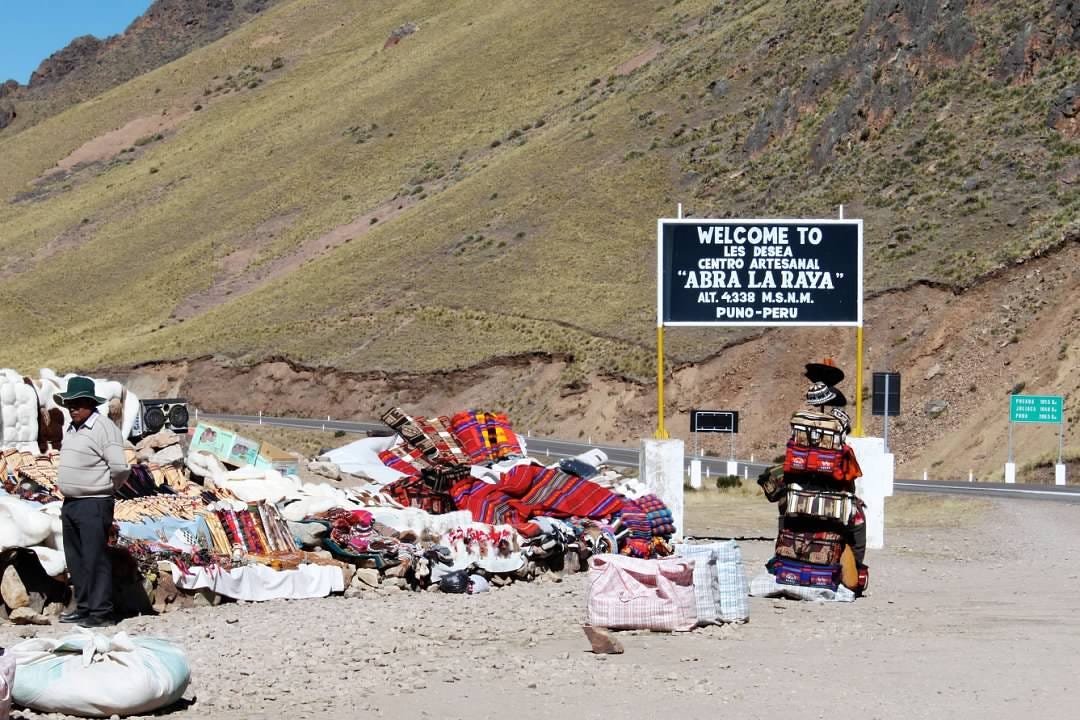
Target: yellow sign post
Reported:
point(661, 431)
point(857, 430)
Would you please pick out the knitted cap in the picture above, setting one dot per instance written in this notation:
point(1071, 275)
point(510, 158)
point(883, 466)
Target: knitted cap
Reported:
point(819, 394)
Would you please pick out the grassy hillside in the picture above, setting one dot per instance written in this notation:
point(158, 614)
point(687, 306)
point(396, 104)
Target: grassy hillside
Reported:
point(489, 185)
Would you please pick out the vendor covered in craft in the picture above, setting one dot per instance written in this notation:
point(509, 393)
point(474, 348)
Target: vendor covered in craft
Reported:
point(821, 537)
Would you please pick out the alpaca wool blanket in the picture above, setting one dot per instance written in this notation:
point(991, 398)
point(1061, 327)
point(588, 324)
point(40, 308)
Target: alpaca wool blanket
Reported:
point(485, 437)
point(529, 491)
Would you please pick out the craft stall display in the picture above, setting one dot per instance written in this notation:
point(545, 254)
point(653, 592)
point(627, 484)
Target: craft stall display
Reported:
point(821, 536)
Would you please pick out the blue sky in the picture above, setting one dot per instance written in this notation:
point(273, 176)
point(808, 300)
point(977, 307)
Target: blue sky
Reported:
point(33, 30)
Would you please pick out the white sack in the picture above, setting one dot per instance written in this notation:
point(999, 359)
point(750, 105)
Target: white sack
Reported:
point(7, 682)
point(22, 523)
point(93, 675)
point(362, 458)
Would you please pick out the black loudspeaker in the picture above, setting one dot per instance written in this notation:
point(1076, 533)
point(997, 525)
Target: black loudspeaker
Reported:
point(157, 415)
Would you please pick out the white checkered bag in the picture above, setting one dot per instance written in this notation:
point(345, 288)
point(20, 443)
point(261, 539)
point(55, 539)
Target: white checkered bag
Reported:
point(766, 586)
point(628, 593)
point(727, 591)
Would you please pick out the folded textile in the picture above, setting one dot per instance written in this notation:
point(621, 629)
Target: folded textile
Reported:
point(404, 459)
point(414, 492)
point(485, 437)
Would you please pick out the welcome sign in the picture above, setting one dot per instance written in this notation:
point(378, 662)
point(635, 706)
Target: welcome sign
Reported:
point(759, 272)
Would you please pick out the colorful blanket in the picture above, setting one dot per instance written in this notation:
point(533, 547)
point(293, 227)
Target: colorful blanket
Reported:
point(430, 436)
point(485, 437)
point(414, 492)
point(529, 491)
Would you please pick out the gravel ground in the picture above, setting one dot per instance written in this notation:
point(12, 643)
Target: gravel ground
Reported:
point(975, 621)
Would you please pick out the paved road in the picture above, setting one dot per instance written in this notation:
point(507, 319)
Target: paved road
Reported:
point(628, 457)
point(1064, 493)
point(538, 447)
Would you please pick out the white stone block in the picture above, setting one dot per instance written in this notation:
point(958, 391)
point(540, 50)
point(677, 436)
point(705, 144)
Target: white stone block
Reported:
point(1010, 473)
point(661, 471)
point(695, 474)
point(1059, 474)
point(874, 486)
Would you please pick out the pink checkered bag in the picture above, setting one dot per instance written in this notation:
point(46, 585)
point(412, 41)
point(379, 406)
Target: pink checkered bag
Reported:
point(628, 593)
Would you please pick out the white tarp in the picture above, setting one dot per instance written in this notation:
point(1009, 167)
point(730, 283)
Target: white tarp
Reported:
point(362, 458)
point(258, 582)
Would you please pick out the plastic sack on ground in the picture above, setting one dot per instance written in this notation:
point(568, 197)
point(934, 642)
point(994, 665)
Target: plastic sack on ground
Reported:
point(631, 594)
point(728, 590)
point(7, 680)
point(94, 675)
point(766, 586)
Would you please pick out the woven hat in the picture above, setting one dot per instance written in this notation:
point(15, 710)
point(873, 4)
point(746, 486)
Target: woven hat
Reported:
point(819, 394)
point(824, 372)
point(78, 387)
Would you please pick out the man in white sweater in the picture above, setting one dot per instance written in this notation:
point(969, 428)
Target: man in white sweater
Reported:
point(92, 467)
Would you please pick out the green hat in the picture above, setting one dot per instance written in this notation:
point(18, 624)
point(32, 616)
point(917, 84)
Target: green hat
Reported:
point(79, 387)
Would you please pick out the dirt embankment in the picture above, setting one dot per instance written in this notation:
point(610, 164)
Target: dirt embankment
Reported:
point(960, 356)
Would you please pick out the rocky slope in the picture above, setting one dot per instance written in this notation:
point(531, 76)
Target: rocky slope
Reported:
point(88, 66)
point(451, 204)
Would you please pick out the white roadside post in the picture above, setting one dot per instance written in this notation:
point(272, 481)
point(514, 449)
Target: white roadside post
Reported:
point(1010, 466)
point(661, 470)
point(1059, 469)
point(695, 474)
point(874, 486)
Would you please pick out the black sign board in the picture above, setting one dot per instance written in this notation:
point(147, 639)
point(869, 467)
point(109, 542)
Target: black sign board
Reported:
point(714, 421)
point(759, 272)
point(886, 385)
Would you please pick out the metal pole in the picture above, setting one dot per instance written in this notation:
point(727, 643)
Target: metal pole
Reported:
point(732, 446)
point(886, 413)
point(661, 431)
point(1010, 439)
point(858, 431)
point(1061, 435)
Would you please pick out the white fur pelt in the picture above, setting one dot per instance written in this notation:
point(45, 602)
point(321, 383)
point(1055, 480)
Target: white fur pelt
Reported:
point(19, 412)
point(122, 407)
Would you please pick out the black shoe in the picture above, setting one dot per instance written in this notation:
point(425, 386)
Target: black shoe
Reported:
point(97, 622)
point(74, 617)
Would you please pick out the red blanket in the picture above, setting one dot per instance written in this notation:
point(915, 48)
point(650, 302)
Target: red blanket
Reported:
point(529, 491)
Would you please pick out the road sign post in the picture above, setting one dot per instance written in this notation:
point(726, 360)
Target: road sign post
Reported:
point(886, 398)
point(1036, 409)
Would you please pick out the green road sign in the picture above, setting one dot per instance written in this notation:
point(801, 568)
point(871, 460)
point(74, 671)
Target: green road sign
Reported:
point(1036, 408)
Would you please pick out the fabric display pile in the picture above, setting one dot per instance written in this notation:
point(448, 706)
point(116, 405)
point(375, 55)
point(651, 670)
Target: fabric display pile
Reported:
point(553, 509)
point(253, 530)
point(33, 477)
point(821, 537)
point(451, 500)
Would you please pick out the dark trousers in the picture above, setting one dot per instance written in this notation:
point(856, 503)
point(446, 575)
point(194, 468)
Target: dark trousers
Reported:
point(87, 522)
